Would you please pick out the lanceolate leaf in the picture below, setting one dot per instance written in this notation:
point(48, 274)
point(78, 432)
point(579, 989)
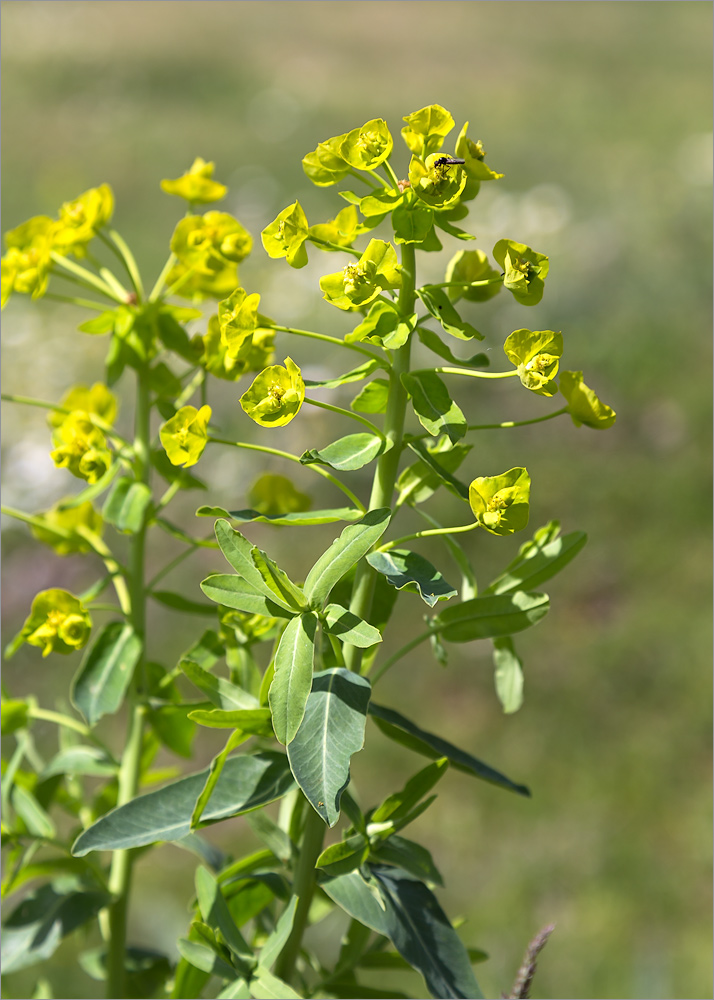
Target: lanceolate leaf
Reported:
point(237, 551)
point(180, 603)
point(403, 731)
point(235, 592)
point(305, 517)
point(100, 684)
point(434, 342)
point(344, 553)
point(292, 679)
point(355, 375)
point(508, 675)
point(412, 857)
point(442, 308)
point(437, 412)
point(331, 731)
point(490, 617)
point(456, 486)
point(216, 914)
point(349, 627)
point(126, 505)
point(539, 564)
point(422, 933)
point(277, 585)
point(408, 569)
point(223, 693)
point(248, 781)
point(248, 720)
point(277, 938)
point(265, 986)
point(347, 453)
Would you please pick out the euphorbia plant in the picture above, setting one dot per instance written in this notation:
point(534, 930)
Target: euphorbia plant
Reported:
point(290, 666)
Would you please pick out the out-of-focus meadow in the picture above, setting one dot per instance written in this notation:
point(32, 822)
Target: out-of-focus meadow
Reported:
point(599, 114)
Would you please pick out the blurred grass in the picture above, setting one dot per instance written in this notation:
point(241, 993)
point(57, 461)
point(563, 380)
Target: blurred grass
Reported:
point(599, 114)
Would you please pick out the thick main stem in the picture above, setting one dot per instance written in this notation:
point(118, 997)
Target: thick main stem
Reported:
point(129, 773)
point(385, 475)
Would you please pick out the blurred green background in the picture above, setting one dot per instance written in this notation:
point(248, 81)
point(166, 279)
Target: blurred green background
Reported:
point(600, 116)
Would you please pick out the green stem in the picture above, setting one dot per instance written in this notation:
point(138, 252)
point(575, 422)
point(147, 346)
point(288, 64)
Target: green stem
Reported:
point(465, 284)
point(130, 769)
point(425, 533)
point(294, 458)
point(334, 246)
point(385, 475)
point(346, 413)
point(80, 274)
point(400, 653)
point(467, 371)
point(303, 888)
point(119, 246)
point(388, 169)
point(72, 300)
point(161, 280)
point(322, 336)
point(518, 423)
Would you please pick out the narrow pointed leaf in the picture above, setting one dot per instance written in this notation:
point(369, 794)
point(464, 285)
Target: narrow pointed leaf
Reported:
point(180, 603)
point(344, 553)
point(215, 769)
point(412, 857)
point(363, 902)
point(434, 407)
point(347, 453)
point(331, 731)
point(508, 675)
point(216, 914)
point(237, 990)
point(539, 565)
point(339, 859)
point(248, 781)
point(304, 517)
point(237, 550)
point(422, 933)
point(277, 585)
point(265, 986)
point(490, 617)
point(277, 938)
point(222, 693)
point(248, 720)
point(292, 679)
point(350, 627)
point(403, 731)
point(434, 342)
point(355, 375)
point(400, 803)
point(454, 484)
point(126, 505)
point(234, 592)
point(442, 308)
point(204, 958)
point(404, 569)
point(100, 684)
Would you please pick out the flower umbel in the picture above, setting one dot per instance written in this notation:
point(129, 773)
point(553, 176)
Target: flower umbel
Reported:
point(58, 622)
point(275, 396)
point(535, 353)
point(197, 184)
point(500, 503)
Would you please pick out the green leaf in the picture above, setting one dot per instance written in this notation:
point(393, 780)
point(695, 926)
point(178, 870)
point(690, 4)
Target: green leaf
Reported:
point(345, 552)
point(100, 684)
point(347, 453)
point(35, 929)
point(292, 679)
point(361, 901)
point(490, 617)
point(509, 674)
point(399, 804)
point(237, 990)
point(331, 731)
point(180, 603)
point(412, 222)
point(81, 759)
point(265, 986)
point(126, 505)
point(248, 781)
point(223, 693)
point(350, 627)
point(434, 407)
point(277, 585)
point(383, 326)
point(307, 517)
point(410, 856)
point(38, 822)
point(422, 933)
point(339, 859)
point(277, 938)
point(454, 484)
point(372, 398)
point(235, 592)
point(238, 552)
point(14, 715)
point(205, 959)
point(216, 914)
point(538, 564)
point(354, 375)
point(248, 720)
point(419, 481)
point(436, 344)
point(442, 308)
point(404, 569)
point(401, 730)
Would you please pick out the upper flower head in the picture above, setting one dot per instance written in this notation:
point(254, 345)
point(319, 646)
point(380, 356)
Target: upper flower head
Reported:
point(358, 283)
point(425, 130)
point(26, 265)
point(185, 435)
point(500, 503)
point(535, 353)
point(583, 405)
point(80, 445)
point(80, 219)
point(326, 165)
point(197, 184)
point(285, 237)
point(275, 396)
point(58, 622)
point(366, 147)
point(435, 181)
point(208, 248)
point(525, 270)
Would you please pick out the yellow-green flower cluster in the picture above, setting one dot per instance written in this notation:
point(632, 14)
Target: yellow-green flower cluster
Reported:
point(62, 527)
point(275, 396)
point(58, 623)
point(185, 435)
point(80, 443)
point(535, 353)
point(208, 247)
point(26, 265)
point(254, 353)
point(197, 184)
point(359, 283)
point(500, 503)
